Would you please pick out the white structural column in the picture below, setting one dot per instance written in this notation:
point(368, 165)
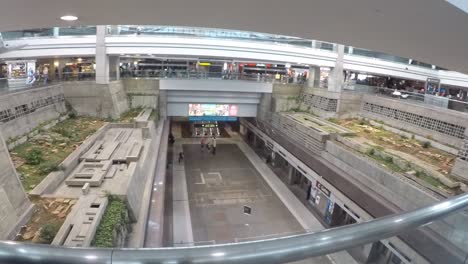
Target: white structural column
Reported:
point(114, 67)
point(102, 60)
point(314, 76)
point(55, 31)
point(335, 80)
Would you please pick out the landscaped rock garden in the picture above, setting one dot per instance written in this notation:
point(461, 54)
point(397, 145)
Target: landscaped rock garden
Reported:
point(415, 159)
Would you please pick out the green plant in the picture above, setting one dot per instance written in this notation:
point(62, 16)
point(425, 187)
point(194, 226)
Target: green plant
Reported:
point(363, 122)
point(48, 232)
point(426, 144)
point(34, 157)
point(63, 131)
point(48, 167)
point(403, 137)
point(113, 219)
point(413, 136)
point(333, 120)
point(371, 152)
point(388, 159)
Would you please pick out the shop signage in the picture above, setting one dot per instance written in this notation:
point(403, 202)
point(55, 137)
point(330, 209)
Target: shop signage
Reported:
point(323, 189)
point(213, 118)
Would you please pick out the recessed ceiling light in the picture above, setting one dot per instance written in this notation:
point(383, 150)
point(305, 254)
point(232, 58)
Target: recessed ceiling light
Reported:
point(69, 18)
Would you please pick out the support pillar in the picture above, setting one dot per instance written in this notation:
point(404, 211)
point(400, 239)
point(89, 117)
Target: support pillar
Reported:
point(102, 60)
point(314, 77)
point(290, 174)
point(336, 78)
point(314, 44)
point(55, 31)
point(255, 145)
point(114, 67)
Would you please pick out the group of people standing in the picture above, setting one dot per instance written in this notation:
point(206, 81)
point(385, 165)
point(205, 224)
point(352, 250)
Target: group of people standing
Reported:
point(209, 144)
point(34, 76)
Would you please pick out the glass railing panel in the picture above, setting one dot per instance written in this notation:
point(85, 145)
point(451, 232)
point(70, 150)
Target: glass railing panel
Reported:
point(77, 31)
point(325, 45)
point(209, 33)
point(421, 64)
point(379, 55)
point(31, 33)
point(454, 228)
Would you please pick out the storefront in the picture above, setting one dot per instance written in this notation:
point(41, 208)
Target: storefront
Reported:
point(21, 73)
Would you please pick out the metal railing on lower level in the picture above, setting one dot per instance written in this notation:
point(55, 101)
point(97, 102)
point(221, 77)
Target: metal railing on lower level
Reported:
point(41, 80)
point(278, 250)
point(413, 97)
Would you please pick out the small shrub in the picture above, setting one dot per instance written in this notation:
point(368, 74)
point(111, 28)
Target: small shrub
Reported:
point(333, 120)
point(413, 136)
point(363, 122)
point(34, 157)
point(371, 151)
point(426, 144)
point(46, 168)
point(389, 159)
point(403, 137)
point(63, 131)
point(48, 232)
point(72, 115)
point(114, 217)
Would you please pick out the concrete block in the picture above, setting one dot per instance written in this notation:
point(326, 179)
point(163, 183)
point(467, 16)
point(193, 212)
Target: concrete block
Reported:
point(81, 224)
point(48, 184)
point(460, 169)
point(85, 189)
point(91, 173)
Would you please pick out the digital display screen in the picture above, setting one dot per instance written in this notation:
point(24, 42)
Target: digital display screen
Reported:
point(213, 110)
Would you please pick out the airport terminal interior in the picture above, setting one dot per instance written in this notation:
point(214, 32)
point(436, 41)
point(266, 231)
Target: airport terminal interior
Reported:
point(144, 135)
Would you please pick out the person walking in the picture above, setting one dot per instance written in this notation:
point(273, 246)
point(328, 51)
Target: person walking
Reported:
point(213, 144)
point(202, 143)
point(45, 74)
point(181, 156)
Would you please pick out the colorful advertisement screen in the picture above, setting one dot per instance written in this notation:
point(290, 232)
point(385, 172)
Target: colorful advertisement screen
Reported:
point(213, 110)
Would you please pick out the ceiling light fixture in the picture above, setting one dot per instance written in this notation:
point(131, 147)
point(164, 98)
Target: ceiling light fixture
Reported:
point(69, 18)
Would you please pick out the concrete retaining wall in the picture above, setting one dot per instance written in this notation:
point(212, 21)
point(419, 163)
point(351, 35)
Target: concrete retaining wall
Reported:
point(287, 89)
point(443, 125)
point(141, 86)
point(144, 101)
point(393, 187)
point(141, 172)
point(15, 207)
point(22, 112)
point(92, 99)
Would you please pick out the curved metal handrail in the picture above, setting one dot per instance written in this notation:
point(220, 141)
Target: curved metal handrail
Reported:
point(279, 250)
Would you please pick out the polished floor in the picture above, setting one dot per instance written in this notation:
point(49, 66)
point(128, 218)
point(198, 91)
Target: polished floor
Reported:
point(219, 186)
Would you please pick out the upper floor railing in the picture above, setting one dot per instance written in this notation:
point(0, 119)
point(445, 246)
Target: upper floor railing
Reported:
point(157, 30)
point(277, 250)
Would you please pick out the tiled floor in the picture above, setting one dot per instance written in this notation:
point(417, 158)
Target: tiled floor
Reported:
point(219, 186)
